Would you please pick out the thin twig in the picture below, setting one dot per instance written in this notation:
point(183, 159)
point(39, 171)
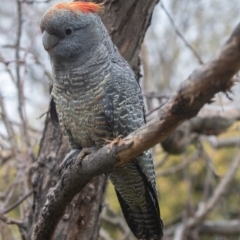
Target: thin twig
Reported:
point(218, 192)
point(180, 34)
point(11, 221)
point(207, 158)
point(220, 227)
point(9, 128)
point(12, 187)
point(115, 219)
point(154, 109)
point(104, 234)
point(6, 63)
point(147, 82)
point(179, 167)
point(19, 81)
point(18, 202)
point(224, 143)
point(189, 208)
point(161, 162)
point(36, 1)
point(157, 95)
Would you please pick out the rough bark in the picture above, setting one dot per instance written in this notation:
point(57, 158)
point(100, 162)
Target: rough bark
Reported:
point(120, 18)
point(198, 89)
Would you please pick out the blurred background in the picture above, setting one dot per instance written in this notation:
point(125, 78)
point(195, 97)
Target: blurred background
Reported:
point(191, 165)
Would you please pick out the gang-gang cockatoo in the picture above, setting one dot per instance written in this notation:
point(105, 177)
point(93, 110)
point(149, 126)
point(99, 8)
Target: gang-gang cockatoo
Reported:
point(97, 97)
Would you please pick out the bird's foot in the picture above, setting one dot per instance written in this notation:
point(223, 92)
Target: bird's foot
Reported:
point(75, 156)
point(114, 141)
point(84, 153)
point(69, 159)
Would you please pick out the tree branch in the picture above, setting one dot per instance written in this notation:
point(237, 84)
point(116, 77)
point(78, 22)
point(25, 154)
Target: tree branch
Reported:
point(224, 143)
point(178, 167)
point(207, 207)
point(220, 227)
point(180, 34)
point(18, 202)
point(209, 121)
point(218, 192)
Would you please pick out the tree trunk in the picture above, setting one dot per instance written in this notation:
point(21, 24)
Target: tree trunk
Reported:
point(127, 22)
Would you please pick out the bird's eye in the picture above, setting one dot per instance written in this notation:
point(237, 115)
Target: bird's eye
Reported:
point(68, 31)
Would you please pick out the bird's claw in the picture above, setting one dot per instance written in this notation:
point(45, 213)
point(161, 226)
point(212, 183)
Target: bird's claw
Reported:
point(83, 154)
point(76, 156)
point(69, 159)
point(114, 141)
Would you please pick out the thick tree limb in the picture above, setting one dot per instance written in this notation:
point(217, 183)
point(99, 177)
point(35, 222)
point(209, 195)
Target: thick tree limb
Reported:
point(197, 90)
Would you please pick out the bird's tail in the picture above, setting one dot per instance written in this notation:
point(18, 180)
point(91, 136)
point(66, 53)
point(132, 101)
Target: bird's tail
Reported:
point(138, 200)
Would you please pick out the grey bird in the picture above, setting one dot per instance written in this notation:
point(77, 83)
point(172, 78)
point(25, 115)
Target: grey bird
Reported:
point(96, 96)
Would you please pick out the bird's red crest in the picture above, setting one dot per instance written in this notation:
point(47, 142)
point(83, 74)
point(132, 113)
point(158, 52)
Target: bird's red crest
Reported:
point(85, 7)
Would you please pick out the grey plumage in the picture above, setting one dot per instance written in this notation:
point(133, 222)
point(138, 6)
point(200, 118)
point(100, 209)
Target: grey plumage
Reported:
point(97, 97)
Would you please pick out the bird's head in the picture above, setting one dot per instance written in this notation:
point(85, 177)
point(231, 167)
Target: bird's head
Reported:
point(71, 30)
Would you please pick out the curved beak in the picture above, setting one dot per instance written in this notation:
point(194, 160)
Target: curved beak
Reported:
point(49, 41)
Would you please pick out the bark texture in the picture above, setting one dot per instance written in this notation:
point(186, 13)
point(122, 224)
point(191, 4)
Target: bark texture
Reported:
point(82, 215)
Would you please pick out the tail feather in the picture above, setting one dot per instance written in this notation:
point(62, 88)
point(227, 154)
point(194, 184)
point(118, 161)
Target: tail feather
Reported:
point(143, 220)
point(132, 217)
point(150, 191)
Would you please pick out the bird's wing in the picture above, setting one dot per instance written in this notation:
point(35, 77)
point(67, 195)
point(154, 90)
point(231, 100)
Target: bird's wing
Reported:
point(135, 182)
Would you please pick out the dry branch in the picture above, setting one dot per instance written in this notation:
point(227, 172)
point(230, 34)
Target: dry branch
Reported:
point(214, 120)
point(218, 192)
point(224, 143)
point(206, 208)
point(18, 202)
point(220, 227)
point(197, 90)
point(181, 35)
point(209, 121)
point(179, 167)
